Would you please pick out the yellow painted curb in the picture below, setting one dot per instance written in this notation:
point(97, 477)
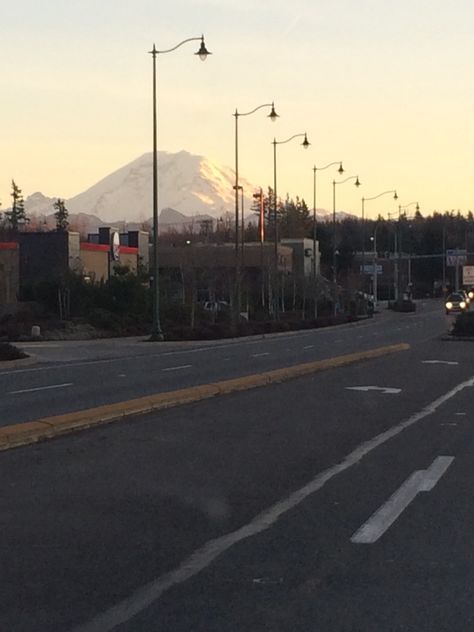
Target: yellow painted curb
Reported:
point(31, 432)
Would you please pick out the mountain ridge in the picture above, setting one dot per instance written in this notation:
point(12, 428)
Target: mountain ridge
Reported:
point(192, 187)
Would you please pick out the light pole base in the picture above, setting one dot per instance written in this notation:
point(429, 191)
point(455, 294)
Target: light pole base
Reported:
point(156, 336)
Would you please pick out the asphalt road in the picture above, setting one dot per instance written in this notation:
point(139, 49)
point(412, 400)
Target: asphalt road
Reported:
point(308, 505)
point(73, 376)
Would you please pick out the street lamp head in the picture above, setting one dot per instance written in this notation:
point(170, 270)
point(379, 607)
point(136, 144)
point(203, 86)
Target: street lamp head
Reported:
point(395, 196)
point(340, 170)
point(306, 142)
point(273, 115)
point(203, 52)
point(357, 183)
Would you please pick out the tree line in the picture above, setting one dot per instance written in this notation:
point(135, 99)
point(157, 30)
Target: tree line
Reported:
point(16, 217)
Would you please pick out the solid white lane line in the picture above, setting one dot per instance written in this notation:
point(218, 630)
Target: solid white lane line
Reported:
point(203, 557)
point(40, 388)
point(383, 518)
point(178, 368)
point(38, 345)
point(259, 355)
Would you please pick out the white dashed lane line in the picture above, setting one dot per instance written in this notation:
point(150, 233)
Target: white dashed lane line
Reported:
point(41, 388)
point(178, 368)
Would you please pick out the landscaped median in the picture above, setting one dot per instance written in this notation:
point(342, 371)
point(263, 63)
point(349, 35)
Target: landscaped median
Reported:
point(31, 432)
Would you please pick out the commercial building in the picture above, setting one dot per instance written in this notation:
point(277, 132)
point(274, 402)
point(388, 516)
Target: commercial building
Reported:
point(49, 256)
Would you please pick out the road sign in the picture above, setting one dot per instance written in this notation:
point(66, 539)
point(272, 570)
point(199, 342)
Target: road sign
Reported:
point(468, 275)
point(368, 268)
point(456, 257)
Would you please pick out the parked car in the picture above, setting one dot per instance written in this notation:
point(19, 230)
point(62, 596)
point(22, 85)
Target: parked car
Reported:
point(456, 303)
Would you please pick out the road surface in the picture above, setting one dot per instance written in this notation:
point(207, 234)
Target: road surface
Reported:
point(74, 376)
point(338, 502)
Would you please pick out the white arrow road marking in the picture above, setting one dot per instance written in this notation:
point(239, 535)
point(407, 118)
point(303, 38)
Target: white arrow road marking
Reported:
point(40, 388)
point(383, 389)
point(439, 362)
point(383, 518)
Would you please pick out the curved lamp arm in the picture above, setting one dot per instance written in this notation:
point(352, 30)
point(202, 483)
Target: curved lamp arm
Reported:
point(202, 52)
point(410, 204)
point(273, 115)
point(356, 178)
point(331, 164)
point(395, 196)
point(305, 143)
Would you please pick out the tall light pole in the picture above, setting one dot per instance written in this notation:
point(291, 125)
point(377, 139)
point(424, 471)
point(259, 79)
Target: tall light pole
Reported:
point(305, 144)
point(364, 200)
point(242, 227)
point(374, 265)
point(273, 117)
point(401, 207)
point(156, 332)
point(315, 223)
point(334, 253)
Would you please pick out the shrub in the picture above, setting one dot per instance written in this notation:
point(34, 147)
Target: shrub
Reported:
point(10, 352)
point(464, 325)
point(103, 319)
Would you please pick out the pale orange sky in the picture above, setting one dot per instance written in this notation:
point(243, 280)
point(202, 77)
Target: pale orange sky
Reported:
point(384, 86)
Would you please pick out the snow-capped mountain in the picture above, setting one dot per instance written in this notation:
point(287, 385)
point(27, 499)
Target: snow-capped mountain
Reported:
point(190, 184)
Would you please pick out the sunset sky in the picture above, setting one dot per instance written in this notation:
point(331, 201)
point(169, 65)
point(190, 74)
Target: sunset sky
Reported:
point(384, 86)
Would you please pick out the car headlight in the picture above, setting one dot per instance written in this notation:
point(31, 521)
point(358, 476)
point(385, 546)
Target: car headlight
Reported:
point(462, 304)
point(449, 305)
point(471, 295)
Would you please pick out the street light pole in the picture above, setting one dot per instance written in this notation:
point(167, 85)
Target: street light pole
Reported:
point(399, 258)
point(305, 144)
point(315, 224)
point(334, 253)
point(374, 265)
point(156, 332)
point(273, 117)
point(395, 197)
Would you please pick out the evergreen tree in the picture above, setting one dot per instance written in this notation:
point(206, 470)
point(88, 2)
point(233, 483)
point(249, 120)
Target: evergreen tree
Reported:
point(295, 221)
point(16, 215)
point(61, 215)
